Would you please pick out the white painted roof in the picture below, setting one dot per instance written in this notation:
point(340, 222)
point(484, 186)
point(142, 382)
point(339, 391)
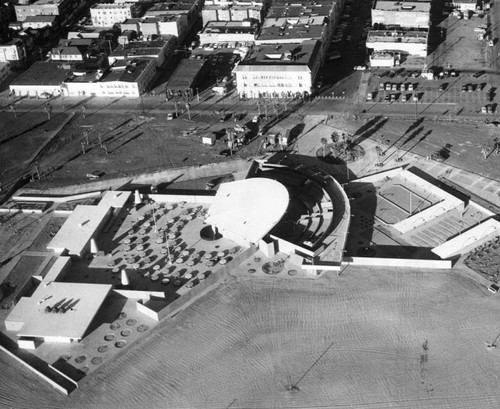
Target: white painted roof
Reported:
point(248, 208)
point(85, 299)
point(77, 231)
point(116, 199)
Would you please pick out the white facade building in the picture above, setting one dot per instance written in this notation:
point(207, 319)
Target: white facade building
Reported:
point(4, 71)
point(403, 42)
point(278, 71)
point(406, 14)
point(106, 15)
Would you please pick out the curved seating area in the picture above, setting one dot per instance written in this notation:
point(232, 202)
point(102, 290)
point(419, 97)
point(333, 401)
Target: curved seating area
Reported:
point(310, 215)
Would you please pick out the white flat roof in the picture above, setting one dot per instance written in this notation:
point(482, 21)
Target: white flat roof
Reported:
point(85, 300)
point(248, 208)
point(116, 199)
point(78, 229)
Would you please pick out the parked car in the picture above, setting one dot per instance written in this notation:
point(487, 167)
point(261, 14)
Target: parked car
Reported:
point(493, 288)
point(255, 119)
point(171, 115)
point(403, 98)
point(96, 174)
point(410, 87)
point(369, 96)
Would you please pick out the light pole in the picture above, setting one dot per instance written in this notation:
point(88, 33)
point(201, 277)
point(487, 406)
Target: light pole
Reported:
point(151, 202)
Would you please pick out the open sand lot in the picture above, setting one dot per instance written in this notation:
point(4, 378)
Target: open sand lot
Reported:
point(371, 339)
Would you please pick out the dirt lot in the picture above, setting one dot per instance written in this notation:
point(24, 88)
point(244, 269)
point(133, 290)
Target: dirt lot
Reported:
point(367, 338)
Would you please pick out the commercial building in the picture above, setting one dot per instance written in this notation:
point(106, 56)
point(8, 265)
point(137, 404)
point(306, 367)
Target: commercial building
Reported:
point(158, 50)
point(4, 71)
point(185, 79)
point(279, 70)
point(125, 78)
point(14, 52)
point(404, 14)
point(166, 25)
point(464, 5)
point(216, 32)
point(37, 22)
point(106, 15)
point(41, 78)
point(404, 42)
point(73, 49)
point(63, 8)
point(232, 12)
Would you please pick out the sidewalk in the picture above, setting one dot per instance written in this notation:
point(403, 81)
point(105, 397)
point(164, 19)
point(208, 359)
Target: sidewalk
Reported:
point(464, 180)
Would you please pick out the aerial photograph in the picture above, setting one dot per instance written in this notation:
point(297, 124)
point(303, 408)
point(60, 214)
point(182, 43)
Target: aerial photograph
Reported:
point(245, 204)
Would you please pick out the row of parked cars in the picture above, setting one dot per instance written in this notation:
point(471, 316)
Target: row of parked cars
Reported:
point(393, 97)
point(395, 86)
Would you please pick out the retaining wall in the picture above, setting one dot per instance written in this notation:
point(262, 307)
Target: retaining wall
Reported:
point(397, 262)
point(469, 239)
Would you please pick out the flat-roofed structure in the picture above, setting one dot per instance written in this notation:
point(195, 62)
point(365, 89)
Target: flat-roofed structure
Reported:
point(72, 308)
point(158, 50)
point(125, 78)
point(232, 12)
point(42, 77)
point(246, 210)
point(406, 14)
point(413, 42)
point(185, 77)
point(115, 199)
point(105, 15)
point(75, 234)
point(279, 70)
point(228, 31)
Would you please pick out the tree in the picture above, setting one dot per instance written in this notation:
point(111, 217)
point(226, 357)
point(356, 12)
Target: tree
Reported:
point(335, 137)
point(48, 110)
point(324, 146)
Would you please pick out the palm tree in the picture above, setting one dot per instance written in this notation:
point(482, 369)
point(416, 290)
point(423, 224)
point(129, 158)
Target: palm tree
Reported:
point(324, 146)
point(48, 109)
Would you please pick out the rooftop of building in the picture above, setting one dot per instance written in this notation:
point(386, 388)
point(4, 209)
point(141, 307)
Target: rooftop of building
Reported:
point(185, 73)
point(78, 304)
point(296, 11)
point(413, 36)
point(111, 6)
point(142, 47)
point(167, 7)
point(297, 31)
point(417, 6)
point(294, 21)
point(81, 226)
point(229, 27)
point(281, 56)
point(43, 3)
point(233, 6)
point(243, 208)
point(43, 73)
point(41, 19)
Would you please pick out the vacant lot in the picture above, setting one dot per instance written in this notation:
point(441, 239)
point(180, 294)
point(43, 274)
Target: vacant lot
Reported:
point(364, 339)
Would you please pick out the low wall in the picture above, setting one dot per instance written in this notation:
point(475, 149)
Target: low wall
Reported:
point(428, 214)
point(377, 176)
point(152, 178)
point(168, 198)
point(37, 366)
point(469, 239)
point(56, 199)
point(142, 295)
point(287, 247)
point(396, 262)
point(58, 269)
